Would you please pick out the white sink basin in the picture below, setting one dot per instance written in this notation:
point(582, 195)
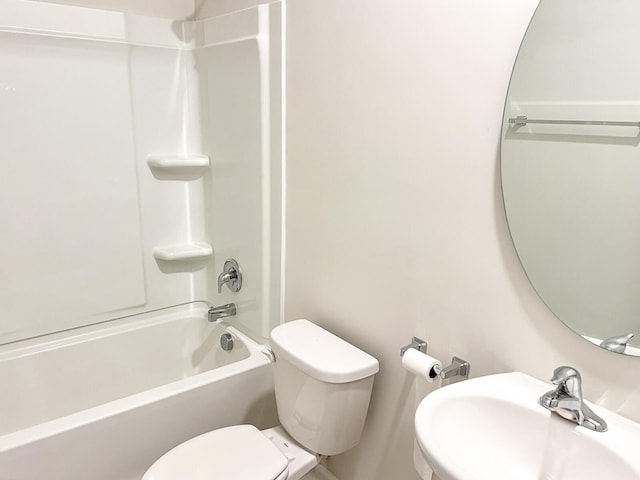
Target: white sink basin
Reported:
point(492, 428)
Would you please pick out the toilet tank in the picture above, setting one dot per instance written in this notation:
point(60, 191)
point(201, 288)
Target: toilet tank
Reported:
point(323, 386)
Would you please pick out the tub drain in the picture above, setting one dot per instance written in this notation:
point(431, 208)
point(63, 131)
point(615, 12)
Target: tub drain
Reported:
point(226, 341)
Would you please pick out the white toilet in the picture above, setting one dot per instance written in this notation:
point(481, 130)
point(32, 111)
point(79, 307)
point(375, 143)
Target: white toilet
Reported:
point(322, 385)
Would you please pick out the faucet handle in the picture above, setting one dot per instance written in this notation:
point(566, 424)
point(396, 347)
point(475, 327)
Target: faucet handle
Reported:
point(617, 343)
point(231, 275)
point(563, 374)
point(568, 379)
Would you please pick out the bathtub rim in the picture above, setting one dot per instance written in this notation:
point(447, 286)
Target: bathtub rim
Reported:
point(114, 326)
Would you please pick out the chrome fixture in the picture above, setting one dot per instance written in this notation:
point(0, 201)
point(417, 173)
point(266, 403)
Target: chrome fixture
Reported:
point(522, 120)
point(458, 367)
point(566, 400)
point(231, 275)
point(416, 343)
point(222, 311)
point(226, 341)
point(267, 352)
point(617, 344)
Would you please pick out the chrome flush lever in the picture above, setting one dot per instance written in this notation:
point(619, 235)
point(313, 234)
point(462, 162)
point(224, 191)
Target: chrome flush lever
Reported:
point(231, 276)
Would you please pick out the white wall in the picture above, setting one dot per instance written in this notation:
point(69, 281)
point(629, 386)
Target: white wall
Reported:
point(211, 8)
point(395, 224)
point(174, 9)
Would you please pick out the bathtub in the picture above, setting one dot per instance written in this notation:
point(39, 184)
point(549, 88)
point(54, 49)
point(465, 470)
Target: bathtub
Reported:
point(104, 402)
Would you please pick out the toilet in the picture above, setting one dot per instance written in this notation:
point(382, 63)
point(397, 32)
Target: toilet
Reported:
point(322, 385)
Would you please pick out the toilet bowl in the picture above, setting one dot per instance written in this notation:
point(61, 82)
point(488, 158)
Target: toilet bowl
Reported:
point(323, 386)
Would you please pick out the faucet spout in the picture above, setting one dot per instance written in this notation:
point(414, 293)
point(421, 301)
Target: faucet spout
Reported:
point(222, 311)
point(566, 400)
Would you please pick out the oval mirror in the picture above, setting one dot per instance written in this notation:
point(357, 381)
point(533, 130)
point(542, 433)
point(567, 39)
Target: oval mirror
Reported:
point(570, 166)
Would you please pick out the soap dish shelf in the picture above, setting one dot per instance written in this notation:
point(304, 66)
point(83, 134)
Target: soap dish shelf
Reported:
point(178, 167)
point(183, 252)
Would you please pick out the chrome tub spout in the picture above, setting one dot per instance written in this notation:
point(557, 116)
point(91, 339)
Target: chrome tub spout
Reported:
point(222, 311)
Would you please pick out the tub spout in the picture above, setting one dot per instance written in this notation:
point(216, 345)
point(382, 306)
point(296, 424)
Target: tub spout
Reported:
point(222, 311)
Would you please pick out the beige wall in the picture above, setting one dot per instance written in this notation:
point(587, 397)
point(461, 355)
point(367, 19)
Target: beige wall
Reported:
point(395, 222)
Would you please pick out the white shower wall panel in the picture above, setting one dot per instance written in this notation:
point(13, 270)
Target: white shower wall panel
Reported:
point(66, 146)
point(241, 120)
point(231, 119)
point(172, 211)
point(86, 98)
point(80, 210)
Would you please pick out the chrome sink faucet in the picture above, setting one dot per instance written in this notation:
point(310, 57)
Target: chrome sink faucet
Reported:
point(566, 400)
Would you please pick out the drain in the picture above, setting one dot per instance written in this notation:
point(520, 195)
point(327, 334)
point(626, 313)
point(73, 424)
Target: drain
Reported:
point(226, 341)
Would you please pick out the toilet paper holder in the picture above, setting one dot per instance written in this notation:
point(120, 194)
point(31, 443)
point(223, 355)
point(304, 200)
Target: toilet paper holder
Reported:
point(416, 343)
point(458, 367)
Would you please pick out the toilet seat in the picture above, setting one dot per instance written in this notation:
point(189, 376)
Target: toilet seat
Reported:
point(239, 452)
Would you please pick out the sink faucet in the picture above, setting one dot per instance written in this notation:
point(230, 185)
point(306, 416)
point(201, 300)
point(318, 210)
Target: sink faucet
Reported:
point(222, 311)
point(566, 400)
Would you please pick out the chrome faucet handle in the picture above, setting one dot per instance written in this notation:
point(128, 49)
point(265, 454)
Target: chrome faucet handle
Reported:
point(567, 377)
point(231, 276)
point(223, 278)
point(562, 374)
point(568, 380)
point(616, 343)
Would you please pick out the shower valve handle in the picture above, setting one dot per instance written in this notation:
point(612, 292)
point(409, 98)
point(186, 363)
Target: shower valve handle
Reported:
point(231, 276)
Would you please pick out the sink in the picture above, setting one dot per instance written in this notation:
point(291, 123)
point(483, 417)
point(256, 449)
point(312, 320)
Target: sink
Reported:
point(493, 428)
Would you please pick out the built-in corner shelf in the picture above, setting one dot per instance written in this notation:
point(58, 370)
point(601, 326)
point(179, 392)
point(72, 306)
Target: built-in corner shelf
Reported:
point(183, 252)
point(178, 167)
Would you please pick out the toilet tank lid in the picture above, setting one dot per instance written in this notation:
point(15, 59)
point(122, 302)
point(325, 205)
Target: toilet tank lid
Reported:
point(321, 354)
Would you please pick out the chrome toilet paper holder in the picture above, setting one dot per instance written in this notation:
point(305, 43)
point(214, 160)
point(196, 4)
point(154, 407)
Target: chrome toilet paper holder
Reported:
point(458, 367)
point(416, 343)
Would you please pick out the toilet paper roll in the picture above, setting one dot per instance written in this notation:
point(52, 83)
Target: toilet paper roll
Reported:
point(423, 365)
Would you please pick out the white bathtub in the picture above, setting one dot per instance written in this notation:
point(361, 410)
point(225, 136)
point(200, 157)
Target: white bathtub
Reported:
point(103, 403)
